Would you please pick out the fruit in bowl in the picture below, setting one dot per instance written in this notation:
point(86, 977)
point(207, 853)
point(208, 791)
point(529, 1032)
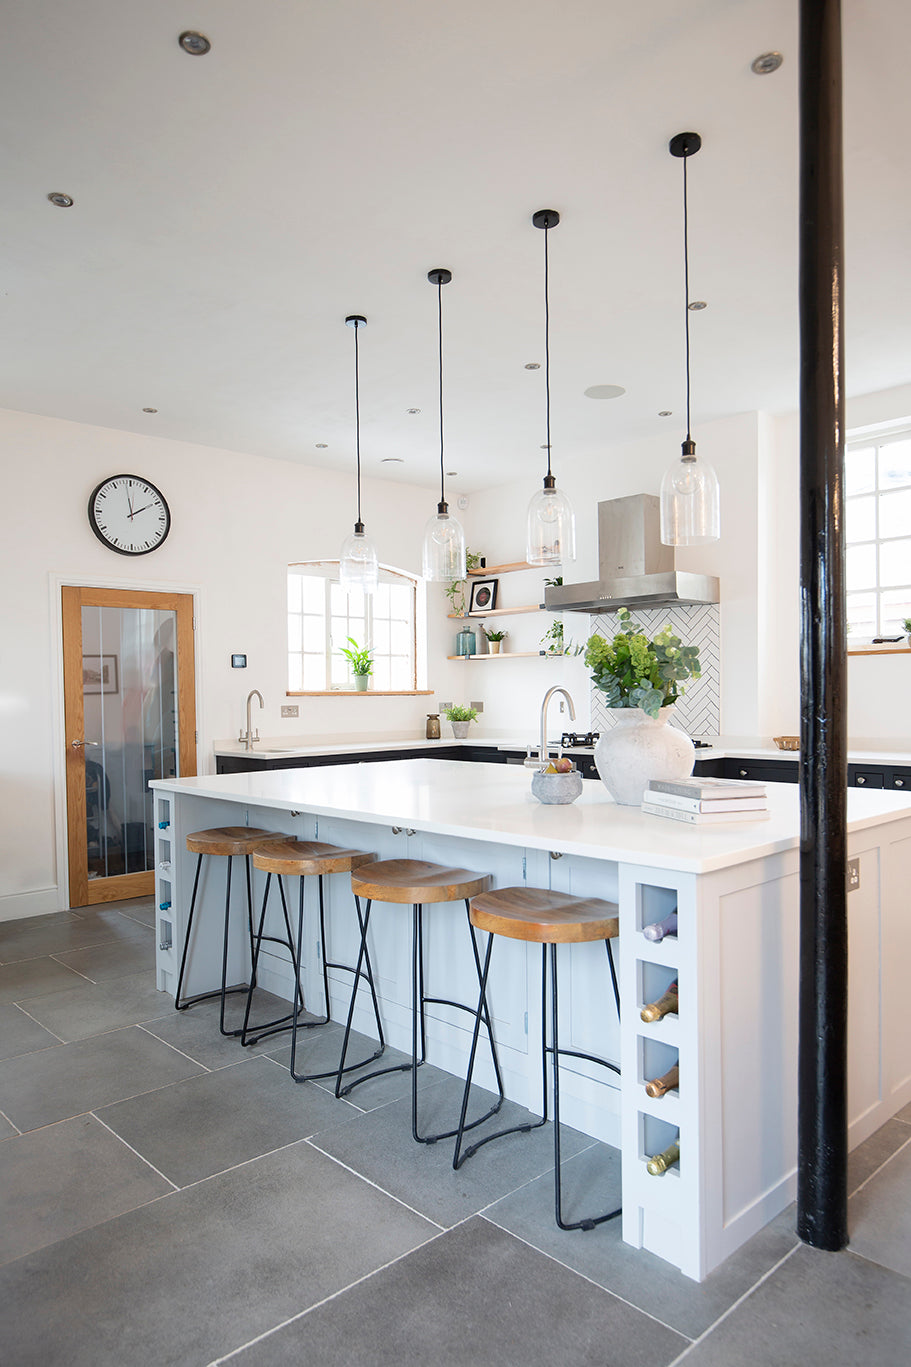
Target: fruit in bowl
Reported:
point(556, 786)
point(559, 766)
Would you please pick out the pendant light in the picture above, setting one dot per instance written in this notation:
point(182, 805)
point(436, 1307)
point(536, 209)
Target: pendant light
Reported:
point(551, 528)
point(444, 540)
point(357, 566)
point(690, 498)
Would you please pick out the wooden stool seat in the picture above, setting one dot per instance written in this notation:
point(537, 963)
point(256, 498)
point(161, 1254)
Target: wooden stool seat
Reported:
point(415, 880)
point(228, 840)
point(544, 917)
point(307, 857)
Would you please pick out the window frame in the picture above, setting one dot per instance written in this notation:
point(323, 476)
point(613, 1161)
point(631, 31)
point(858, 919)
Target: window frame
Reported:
point(876, 439)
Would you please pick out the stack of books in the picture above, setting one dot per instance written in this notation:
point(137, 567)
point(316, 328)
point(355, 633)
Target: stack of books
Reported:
point(702, 800)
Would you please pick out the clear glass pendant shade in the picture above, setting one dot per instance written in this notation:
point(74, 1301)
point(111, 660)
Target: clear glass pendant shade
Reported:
point(358, 567)
point(444, 549)
point(690, 502)
point(551, 529)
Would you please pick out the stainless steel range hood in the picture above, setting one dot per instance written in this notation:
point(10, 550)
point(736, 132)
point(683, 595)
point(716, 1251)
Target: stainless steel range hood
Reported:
point(636, 570)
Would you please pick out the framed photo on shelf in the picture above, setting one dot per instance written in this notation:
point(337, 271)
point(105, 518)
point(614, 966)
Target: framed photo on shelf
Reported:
point(483, 595)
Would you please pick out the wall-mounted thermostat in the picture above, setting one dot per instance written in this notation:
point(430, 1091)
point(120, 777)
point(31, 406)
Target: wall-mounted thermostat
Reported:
point(238, 661)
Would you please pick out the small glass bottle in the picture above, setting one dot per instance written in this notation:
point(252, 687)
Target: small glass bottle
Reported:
point(433, 726)
point(466, 642)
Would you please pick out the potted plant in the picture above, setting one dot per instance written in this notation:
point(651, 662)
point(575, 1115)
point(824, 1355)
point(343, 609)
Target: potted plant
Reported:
point(906, 626)
point(553, 640)
point(360, 662)
point(455, 589)
point(460, 719)
point(641, 679)
point(495, 639)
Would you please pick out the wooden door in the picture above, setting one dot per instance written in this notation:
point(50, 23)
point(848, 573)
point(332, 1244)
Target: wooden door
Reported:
point(130, 716)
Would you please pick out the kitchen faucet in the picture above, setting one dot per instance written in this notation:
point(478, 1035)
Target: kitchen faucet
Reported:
point(542, 753)
point(247, 736)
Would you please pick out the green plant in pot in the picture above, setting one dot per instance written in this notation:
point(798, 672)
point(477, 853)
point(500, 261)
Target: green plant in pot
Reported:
point(455, 589)
point(495, 639)
point(641, 679)
point(360, 662)
point(460, 718)
point(906, 627)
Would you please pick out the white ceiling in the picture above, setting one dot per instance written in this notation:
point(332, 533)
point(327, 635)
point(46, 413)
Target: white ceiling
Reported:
point(231, 209)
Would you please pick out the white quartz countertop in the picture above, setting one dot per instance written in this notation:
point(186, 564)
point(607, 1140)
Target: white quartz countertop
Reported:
point(494, 803)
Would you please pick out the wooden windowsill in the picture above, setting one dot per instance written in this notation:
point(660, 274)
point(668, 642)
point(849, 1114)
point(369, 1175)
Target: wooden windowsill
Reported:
point(367, 693)
point(881, 650)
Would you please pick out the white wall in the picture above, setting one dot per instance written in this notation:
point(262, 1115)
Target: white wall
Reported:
point(237, 522)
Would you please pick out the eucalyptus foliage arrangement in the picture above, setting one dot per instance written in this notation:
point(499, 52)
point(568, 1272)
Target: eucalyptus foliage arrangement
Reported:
point(632, 671)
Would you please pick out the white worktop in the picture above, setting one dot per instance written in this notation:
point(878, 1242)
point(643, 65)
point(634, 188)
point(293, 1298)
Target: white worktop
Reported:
point(494, 803)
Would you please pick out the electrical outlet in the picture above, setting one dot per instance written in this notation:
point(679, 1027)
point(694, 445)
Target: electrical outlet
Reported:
point(853, 875)
point(478, 706)
point(290, 710)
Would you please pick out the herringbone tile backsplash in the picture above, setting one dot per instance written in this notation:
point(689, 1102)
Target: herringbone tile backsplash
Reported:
point(698, 712)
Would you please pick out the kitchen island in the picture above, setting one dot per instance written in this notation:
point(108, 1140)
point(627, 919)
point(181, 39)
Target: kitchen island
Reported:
point(735, 887)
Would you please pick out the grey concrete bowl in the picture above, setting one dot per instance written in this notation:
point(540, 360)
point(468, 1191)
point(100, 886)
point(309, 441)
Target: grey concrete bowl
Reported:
point(559, 788)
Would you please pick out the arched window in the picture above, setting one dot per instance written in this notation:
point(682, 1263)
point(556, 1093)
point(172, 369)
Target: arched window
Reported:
point(878, 522)
point(322, 616)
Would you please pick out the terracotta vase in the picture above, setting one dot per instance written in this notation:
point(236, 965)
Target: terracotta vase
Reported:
point(638, 748)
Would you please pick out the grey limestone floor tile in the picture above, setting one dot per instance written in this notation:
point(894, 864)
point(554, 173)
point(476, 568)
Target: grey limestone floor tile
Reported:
point(879, 1215)
point(54, 1084)
point(319, 1051)
point(92, 1009)
point(195, 1031)
point(591, 1184)
point(100, 963)
point(141, 909)
point(873, 1152)
point(68, 1177)
point(187, 1278)
point(28, 978)
point(472, 1298)
point(905, 1114)
point(28, 939)
point(19, 1034)
point(7, 1130)
point(816, 1310)
point(208, 1123)
point(379, 1145)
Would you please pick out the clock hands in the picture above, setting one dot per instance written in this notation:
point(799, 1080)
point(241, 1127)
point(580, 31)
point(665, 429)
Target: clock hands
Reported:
point(137, 511)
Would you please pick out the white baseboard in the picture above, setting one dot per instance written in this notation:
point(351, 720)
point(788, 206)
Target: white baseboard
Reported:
point(41, 902)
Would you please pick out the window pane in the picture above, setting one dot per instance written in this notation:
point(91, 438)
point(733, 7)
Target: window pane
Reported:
point(894, 464)
point(314, 634)
point(294, 593)
point(861, 615)
point(895, 562)
point(381, 636)
point(294, 671)
point(896, 606)
point(313, 593)
point(895, 514)
point(314, 672)
point(860, 567)
point(860, 523)
point(860, 470)
point(381, 674)
point(400, 638)
point(294, 631)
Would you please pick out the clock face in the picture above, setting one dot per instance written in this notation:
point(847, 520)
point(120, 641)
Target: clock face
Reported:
point(129, 515)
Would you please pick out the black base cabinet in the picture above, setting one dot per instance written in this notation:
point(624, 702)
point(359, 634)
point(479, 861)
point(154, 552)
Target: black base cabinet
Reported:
point(253, 763)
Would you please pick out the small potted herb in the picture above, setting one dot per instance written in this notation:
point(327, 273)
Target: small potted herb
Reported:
point(360, 662)
point(460, 719)
point(495, 639)
point(906, 627)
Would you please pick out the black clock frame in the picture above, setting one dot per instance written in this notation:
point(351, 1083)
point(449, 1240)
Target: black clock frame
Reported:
point(100, 534)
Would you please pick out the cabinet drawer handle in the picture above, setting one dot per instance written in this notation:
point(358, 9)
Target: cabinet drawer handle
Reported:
point(860, 780)
point(744, 773)
point(899, 783)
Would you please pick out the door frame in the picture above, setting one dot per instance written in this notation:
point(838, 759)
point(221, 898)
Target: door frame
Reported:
point(56, 583)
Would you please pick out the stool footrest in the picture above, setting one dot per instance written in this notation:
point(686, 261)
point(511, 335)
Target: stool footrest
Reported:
point(498, 1134)
point(377, 1072)
point(349, 1068)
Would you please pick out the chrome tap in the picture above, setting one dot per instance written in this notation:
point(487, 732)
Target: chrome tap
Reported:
point(542, 753)
point(248, 736)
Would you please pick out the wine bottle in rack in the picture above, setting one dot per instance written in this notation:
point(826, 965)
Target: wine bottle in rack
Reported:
point(658, 929)
point(660, 1086)
point(662, 1007)
point(660, 1162)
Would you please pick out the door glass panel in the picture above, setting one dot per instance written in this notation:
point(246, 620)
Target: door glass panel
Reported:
point(129, 684)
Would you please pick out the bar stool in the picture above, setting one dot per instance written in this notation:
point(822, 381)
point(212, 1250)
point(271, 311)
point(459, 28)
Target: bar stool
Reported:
point(548, 919)
point(303, 858)
point(416, 882)
point(225, 842)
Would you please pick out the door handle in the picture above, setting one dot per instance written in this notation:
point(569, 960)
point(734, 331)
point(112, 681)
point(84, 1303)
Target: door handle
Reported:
point(78, 744)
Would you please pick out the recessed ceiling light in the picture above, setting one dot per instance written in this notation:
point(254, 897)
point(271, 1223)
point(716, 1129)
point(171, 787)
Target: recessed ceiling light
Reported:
point(197, 44)
point(322, 445)
point(533, 365)
point(150, 410)
point(697, 306)
point(62, 201)
point(452, 474)
point(665, 413)
point(392, 460)
point(766, 63)
point(412, 410)
point(604, 391)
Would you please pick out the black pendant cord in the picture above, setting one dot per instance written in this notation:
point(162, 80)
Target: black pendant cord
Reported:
point(357, 427)
point(686, 287)
point(443, 507)
point(547, 348)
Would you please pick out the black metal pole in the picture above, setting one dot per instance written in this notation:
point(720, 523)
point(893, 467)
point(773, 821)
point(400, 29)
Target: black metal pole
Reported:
point(822, 1065)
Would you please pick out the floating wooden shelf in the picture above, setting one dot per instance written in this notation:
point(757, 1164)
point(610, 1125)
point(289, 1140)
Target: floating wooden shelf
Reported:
point(502, 569)
point(496, 612)
point(501, 655)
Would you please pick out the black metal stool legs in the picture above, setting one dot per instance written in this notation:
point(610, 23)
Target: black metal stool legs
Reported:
point(248, 1034)
point(362, 970)
point(222, 991)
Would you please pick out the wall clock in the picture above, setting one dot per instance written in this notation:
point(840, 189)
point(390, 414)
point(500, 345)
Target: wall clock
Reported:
point(129, 515)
